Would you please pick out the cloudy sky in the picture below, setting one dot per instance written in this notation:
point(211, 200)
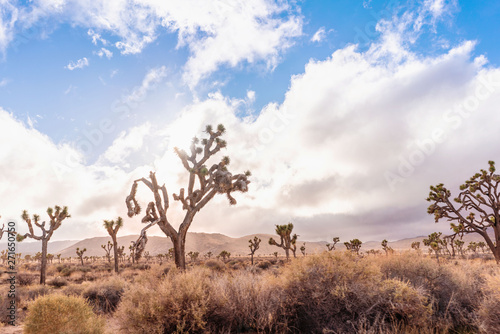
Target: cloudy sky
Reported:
point(345, 111)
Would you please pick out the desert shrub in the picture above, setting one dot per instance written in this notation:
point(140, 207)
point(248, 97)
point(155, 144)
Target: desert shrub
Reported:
point(454, 289)
point(24, 278)
point(489, 310)
point(58, 282)
point(33, 292)
point(105, 296)
point(245, 302)
point(264, 265)
point(175, 304)
point(215, 265)
point(337, 292)
point(62, 314)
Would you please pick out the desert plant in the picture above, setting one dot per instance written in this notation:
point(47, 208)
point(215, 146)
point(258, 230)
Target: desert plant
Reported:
point(105, 296)
point(112, 226)
point(385, 246)
point(107, 248)
point(254, 245)
point(331, 247)
point(62, 314)
point(193, 256)
point(415, 245)
point(476, 209)
point(303, 249)
point(287, 241)
point(56, 219)
point(80, 253)
point(211, 181)
point(224, 255)
point(208, 255)
point(435, 243)
point(354, 245)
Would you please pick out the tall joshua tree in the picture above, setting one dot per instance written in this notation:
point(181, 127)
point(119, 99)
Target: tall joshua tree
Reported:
point(56, 215)
point(254, 245)
point(476, 208)
point(112, 226)
point(203, 184)
point(287, 241)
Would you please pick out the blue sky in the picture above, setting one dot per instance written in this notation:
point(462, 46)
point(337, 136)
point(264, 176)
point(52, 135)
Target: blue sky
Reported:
point(153, 72)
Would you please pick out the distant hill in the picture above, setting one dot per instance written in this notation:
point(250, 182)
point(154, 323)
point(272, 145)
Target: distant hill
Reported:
point(32, 247)
point(202, 243)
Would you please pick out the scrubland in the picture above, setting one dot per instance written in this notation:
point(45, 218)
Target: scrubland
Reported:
point(336, 292)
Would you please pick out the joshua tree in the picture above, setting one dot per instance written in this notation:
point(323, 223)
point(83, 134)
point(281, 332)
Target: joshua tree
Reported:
point(224, 255)
point(204, 183)
point(254, 245)
point(208, 255)
point(133, 252)
point(275, 255)
point(476, 208)
point(107, 248)
point(287, 241)
point(59, 257)
point(112, 226)
point(435, 243)
point(472, 247)
point(303, 249)
point(386, 247)
point(56, 215)
point(354, 245)
point(193, 256)
point(79, 253)
point(121, 253)
point(331, 247)
point(416, 245)
point(482, 245)
point(460, 246)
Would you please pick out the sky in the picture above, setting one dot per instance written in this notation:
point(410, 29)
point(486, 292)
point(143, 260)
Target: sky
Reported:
point(344, 111)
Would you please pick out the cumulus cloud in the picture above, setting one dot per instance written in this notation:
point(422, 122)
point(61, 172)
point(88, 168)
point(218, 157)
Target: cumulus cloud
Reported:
point(152, 78)
point(80, 63)
point(350, 152)
point(217, 33)
point(319, 35)
point(104, 52)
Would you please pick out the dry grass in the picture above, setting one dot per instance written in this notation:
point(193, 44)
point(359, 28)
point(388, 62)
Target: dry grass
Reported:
point(327, 293)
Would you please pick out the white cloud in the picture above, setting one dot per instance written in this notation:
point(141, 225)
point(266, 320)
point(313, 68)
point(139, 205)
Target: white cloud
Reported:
point(150, 81)
point(80, 63)
point(319, 35)
point(8, 18)
point(104, 52)
point(4, 82)
point(217, 33)
point(126, 143)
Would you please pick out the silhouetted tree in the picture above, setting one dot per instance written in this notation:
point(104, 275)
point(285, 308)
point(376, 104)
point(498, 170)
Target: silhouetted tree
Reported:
point(112, 226)
point(79, 253)
point(254, 245)
point(56, 215)
point(210, 181)
point(476, 208)
point(287, 240)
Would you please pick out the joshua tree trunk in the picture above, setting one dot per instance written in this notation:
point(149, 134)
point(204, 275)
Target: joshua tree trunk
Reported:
point(115, 252)
point(43, 267)
point(179, 252)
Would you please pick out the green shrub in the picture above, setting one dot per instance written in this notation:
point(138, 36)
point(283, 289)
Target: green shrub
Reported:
point(55, 314)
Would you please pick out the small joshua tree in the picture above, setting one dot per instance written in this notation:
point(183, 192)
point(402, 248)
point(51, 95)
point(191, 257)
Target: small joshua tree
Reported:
point(80, 253)
point(56, 215)
point(133, 252)
point(254, 245)
point(416, 245)
point(121, 253)
point(482, 245)
point(385, 246)
point(275, 256)
point(303, 249)
point(224, 255)
point(287, 241)
point(193, 256)
point(354, 245)
point(208, 255)
point(460, 246)
point(476, 208)
point(472, 247)
point(203, 184)
point(107, 248)
point(112, 226)
point(435, 243)
point(331, 247)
